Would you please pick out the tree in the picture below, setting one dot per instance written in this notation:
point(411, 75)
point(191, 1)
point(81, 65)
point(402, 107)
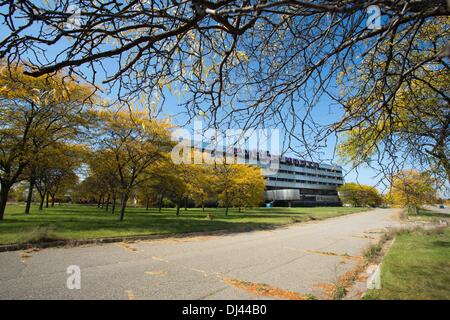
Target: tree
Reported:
point(164, 179)
point(179, 180)
point(201, 187)
point(89, 190)
point(197, 178)
point(245, 63)
point(146, 195)
point(412, 189)
point(238, 184)
point(223, 186)
point(54, 171)
point(104, 177)
point(404, 116)
point(134, 142)
point(248, 187)
point(359, 195)
point(34, 114)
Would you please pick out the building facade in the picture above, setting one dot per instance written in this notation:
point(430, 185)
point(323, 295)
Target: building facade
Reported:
point(303, 183)
point(294, 182)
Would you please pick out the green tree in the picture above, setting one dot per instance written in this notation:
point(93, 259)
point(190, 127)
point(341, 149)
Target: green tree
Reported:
point(54, 171)
point(104, 178)
point(412, 189)
point(248, 187)
point(359, 195)
point(135, 142)
point(238, 184)
point(35, 113)
point(164, 179)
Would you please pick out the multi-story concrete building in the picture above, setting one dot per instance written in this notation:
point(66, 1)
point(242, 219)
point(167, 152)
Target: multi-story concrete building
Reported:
point(294, 182)
point(300, 182)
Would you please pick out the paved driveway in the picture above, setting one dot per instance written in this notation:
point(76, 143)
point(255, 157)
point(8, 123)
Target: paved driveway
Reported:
point(284, 263)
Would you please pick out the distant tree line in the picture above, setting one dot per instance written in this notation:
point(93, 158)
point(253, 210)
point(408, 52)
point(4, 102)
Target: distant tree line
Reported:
point(410, 189)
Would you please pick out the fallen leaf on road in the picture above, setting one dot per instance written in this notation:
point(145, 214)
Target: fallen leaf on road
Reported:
point(263, 289)
point(363, 237)
point(179, 240)
point(327, 289)
point(130, 295)
point(24, 255)
point(127, 246)
point(346, 280)
point(198, 270)
point(160, 259)
point(345, 256)
point(156, 273)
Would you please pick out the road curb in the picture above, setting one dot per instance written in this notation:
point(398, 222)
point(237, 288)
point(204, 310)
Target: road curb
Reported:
point(76, 243)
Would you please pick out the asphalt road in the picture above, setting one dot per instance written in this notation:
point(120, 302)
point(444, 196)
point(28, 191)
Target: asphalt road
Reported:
point(283, 263)
point(445, 210)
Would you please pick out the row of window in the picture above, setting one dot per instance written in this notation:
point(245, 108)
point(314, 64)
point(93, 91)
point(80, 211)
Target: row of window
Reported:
point(308, 191)
point(314, 167)
point(310, 174)
point(303, 181)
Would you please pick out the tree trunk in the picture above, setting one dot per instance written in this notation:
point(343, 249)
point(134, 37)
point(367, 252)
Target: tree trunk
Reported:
point(160, 203)
point(412, 210)
point(113, 209)
point(203, 206)
point(53, 201)
point(124, 206)
point(185, 203)
point(99, 201)
point(226, 203)
point(4, 192)
point(107, 203)
point(147, 204)
point(178, 207)
point(239, 209)
point(30, 196)
point(41, 204)
point(46, 199)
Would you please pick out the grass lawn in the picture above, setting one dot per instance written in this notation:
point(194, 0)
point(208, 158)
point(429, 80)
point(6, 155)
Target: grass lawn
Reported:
point(417, 266)
point(428, 215)
point(81, 221)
